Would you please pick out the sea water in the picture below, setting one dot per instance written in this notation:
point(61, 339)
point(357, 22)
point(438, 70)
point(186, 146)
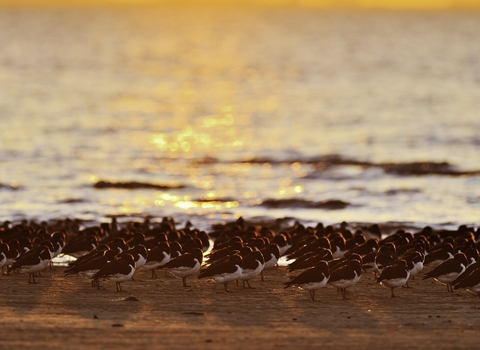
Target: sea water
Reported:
point(261, 112)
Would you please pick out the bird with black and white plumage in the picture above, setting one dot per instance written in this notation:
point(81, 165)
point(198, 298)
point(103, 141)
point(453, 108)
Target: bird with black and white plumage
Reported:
point(118, 244)
point(317, 242)
point(139, 253)
point(25, 245)
point(185, 265)
point(224, 241)
point(191, 243)
point(386, 254)
point(158, 256)
point(81, 245)
point(439, 254)
point(33, 262)
point(91, 255)
point(448, 270)
point(312, 279)
point(253, 264)
point(471, 282)
point(311, 259)
point(338, 245)
point(414, 261)
point(225, 271)
point(394, 275)
point(271, 254)
point(13, 253)
point(357, 239)
point(365, 248)
point(218, 254)
point(472, 255)
point(90, 267)
point(117, 271)
point(337, 263)
point(3, 254)
point(203, 236)
point(468, 271)
point(59, 240)
point(346, 276)
point(284, 242)
point(470, 279)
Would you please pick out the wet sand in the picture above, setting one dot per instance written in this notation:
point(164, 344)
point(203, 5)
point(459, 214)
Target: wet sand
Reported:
point(66, 312)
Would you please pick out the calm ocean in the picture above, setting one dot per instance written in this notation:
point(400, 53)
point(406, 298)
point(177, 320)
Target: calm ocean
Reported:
point(323, 116)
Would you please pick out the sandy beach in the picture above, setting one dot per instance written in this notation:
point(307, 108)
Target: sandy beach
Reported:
point(65, 312)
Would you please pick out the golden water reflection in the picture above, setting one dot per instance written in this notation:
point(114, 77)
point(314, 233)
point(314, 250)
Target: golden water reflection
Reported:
point(213, 132)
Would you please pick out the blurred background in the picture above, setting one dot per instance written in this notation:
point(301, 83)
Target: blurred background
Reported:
point(358, 111)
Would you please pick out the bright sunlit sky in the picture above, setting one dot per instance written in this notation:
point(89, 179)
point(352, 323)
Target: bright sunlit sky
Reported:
point(385, 4)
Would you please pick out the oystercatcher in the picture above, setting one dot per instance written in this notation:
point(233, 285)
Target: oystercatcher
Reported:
point(394, 275)
point(284, 242)
point(253, 264)
point(13, 252)
point(365, 248)
point(90, 267)
point(139, 253)
point(225, 251)
point(346, 276)
point(185, 265)
point(320, 242)
point(118, 270)
point(338, 248)
point(271, 254)
point(3, 254)
point(157, 257)
point(97, 252)
point(33, 262)
point(469, 270)
point(471, 282)
point(337, 263)
point(175, 249)
point(311, 259)
point(414, 261)
point(81, 245)
point(439, 255)
point(312, 279)
point(448, 270)
point(386, 254)
point(25, 244)
point(58, 240)
point(357, 239)
point(224, 272)
point(472, 255)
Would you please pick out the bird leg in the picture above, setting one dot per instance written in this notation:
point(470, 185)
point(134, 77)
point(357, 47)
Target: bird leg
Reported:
point(119, 287)
point(154, 274)
point(393, 294)
point(185, 281)
point(31, 278)
point(312, 295)
point(226, 287)
point(261, 276)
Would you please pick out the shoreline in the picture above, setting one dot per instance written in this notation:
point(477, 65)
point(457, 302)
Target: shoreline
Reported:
point(65, 311)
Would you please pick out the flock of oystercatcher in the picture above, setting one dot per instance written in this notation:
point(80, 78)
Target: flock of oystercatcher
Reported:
point(317, 256)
